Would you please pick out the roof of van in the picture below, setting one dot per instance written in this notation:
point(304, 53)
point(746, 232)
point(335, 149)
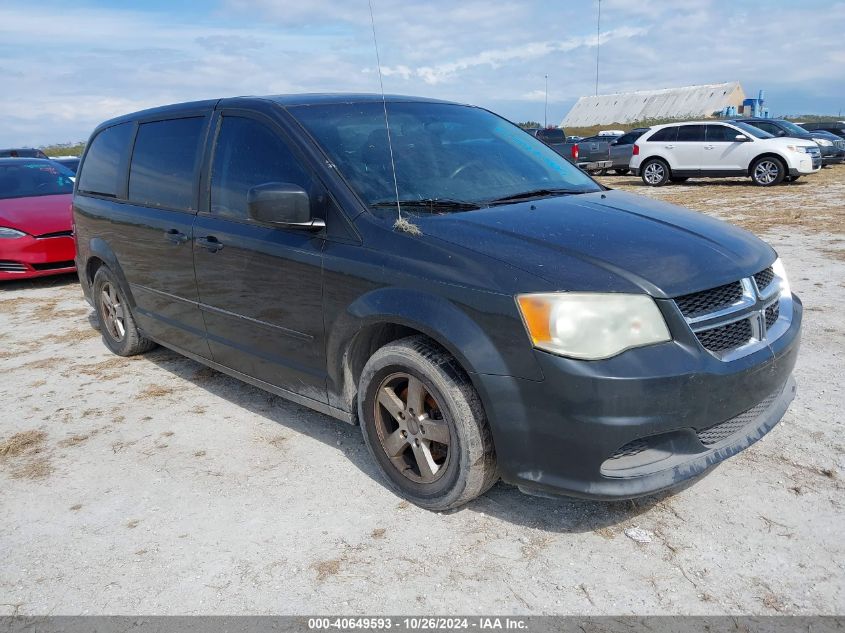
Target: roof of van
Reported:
point(282, 100)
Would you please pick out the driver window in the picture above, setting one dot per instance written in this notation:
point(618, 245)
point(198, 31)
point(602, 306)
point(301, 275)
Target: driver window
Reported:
point(248, 153)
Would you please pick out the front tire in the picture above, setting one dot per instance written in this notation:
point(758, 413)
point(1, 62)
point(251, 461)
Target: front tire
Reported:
point(655, 172)
point(767, 171)
point(424, 425)
point(117, 325)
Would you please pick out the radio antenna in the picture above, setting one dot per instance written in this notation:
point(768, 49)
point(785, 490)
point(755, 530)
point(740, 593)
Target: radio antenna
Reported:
point(400, 223)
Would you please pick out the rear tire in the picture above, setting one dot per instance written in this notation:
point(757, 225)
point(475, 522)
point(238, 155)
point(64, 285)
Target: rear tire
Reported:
point(621, 172)
point(425, 426)
point(655, 172)
point(117, 325)
point(767, 171)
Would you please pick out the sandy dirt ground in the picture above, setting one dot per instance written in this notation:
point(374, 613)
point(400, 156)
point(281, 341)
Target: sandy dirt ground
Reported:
point(154, 485)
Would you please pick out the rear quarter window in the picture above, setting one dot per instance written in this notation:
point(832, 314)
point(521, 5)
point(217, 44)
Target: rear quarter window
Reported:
point(102, 171)
point(164, 160)
point(664, 135)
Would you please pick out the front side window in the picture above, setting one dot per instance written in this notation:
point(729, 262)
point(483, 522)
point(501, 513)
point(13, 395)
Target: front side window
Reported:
point(164, 161)
point(440, 151)
point(690, 133)
point(25, 179)
point(101, 172)
point(248, 154)
point(721, 134)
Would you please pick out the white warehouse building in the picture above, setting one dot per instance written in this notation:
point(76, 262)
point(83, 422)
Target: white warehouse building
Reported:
point(669, 103)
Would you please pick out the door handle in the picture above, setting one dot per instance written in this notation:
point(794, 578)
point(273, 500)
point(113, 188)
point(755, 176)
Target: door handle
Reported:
point(669, 146)
point(210, 243)
point(708, 147)
point(175, 236)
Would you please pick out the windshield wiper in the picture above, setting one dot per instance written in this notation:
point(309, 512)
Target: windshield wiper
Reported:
point(438, 203)
point(534, 193)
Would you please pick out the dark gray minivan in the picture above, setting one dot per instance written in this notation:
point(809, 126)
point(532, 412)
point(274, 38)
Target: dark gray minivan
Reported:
point(480, 306)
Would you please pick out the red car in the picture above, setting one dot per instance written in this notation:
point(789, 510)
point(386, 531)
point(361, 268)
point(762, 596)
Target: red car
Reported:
point(36, 233)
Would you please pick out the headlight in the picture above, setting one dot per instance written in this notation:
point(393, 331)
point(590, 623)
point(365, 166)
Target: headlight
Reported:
point(10, 233)
point(823, 142)
point(780, 271)
point(803, 149)
point(591, 325)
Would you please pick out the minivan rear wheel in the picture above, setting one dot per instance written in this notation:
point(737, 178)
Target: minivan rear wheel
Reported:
point(767, 171)
point(117, 325)
point(424, 425)
point(655, 172)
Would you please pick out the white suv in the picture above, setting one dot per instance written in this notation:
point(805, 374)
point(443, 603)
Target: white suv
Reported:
point(679, 151)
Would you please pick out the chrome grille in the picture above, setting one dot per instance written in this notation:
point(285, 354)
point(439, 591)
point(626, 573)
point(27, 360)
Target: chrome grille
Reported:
point(725, 337)
point(737, 318)
point(698, 303)
point(772, 314)
point(764, 278)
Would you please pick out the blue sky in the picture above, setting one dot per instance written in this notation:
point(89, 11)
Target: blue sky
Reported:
point(64, 67)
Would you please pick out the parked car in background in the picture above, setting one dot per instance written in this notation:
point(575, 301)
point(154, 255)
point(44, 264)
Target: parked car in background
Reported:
point(573, 139)
point(36, 236)
point(834, 127)
point(71, 162)
point(678, 151)
point(22, 152)
point(622, 148)
point(554, 137)
point(534, 326)
point(831, 152)
point(593, 158)
point(592, 154)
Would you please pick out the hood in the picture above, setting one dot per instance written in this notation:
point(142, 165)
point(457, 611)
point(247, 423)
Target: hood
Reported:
point(610, 241)
point(37, 215)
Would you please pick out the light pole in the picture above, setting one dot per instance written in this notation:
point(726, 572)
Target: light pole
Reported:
point(546, 105)
point(598, 46)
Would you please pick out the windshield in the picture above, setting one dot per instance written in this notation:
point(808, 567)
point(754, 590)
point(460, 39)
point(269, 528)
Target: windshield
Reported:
point(750, 129)
point(27, 178)
point(792, 128)
point(441, 152)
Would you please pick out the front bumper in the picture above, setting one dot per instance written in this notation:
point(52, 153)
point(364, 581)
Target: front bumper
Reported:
point(29, 256)
point(563, 435)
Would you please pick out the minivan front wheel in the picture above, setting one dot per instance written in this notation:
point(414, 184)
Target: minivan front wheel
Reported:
point(117, 325)
point(424, 425)
point(655, 173)
point(767, 171)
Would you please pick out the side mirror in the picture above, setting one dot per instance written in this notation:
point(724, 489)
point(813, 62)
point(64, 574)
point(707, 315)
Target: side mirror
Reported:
point(614, 142)
point(781, 133)
point(282, 203)
point(741, 138)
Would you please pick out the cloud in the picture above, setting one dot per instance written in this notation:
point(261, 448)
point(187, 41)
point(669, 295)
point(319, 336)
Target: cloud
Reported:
point(96, 61)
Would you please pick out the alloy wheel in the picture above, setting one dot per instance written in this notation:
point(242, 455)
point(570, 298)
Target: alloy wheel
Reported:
point(112, 311)
point(766, 172)
point(654, 173)
point(411, 428)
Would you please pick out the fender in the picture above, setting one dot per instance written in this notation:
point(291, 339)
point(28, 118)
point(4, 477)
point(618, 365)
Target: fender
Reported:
point(435, 316)
point(98, 247)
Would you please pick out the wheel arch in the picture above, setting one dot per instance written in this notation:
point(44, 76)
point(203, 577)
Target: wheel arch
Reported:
point(101, 254)
point(390, 314)
point(769, 154)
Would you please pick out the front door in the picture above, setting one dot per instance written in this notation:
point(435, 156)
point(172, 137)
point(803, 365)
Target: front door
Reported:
point(259, 285)
point(722, 152)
